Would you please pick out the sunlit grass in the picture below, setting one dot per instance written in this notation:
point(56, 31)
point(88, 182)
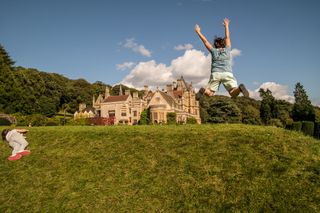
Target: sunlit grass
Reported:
point(162, 169)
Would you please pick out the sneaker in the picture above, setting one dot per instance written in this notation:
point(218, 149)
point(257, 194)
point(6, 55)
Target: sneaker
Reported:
point(24, 152)
point(243, 90)
point(14, 157)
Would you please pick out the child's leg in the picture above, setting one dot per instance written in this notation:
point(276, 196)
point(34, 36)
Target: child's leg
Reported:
point(19, 139)
point(15, 147)
point(213, 84)
point(230, 83)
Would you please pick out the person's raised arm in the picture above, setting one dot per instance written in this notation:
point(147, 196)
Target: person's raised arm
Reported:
point(226, 25)
point(202, 37)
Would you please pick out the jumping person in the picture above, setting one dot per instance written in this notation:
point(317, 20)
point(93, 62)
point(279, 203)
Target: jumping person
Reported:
point(17, 141)
point(221, 69)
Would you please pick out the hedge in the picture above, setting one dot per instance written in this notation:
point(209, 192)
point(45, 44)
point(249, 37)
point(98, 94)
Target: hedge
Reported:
point(316, 133)
point(296, 126)
point(308, 128)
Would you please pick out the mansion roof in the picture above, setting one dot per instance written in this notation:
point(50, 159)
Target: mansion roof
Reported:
point(116, 98)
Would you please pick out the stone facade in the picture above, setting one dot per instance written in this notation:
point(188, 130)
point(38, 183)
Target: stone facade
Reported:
point(178, 97)
point(84, 112)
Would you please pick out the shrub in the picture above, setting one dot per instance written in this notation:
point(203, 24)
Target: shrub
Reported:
point(316, 133)
point(51, 123)
point(289, 126)
point(4, 122)
point(276, 122)
point(191, 120)
point(171, 118)
point(296, 126)
point(144, 117)
point(307, 127)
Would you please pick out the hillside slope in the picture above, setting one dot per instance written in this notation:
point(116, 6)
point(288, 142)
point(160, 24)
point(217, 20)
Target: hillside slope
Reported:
point(163, 169)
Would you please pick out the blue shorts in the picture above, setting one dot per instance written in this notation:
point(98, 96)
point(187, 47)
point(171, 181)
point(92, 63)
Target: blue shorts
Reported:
point(226, 78)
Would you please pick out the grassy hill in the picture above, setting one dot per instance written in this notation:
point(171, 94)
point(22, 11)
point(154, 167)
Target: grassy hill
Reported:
point(201, 168)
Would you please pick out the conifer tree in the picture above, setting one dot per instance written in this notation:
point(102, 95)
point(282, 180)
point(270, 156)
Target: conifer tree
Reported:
point(5, 58)
point(266, 105)
point(302, 108)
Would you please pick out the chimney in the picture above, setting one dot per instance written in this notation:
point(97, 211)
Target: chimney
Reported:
point(146, 90)
point(93, 100)
point(135, 95)
point(169, 89)
point(107, 93)
point(120, 90)
point(127, 92)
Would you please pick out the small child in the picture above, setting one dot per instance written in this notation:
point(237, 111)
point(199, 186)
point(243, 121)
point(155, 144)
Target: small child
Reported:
point(221, 70)
point(17, 141)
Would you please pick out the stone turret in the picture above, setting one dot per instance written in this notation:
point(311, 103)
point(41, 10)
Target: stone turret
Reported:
point(107, 93)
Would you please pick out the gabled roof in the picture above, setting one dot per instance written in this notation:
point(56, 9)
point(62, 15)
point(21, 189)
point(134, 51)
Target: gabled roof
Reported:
point(116, 98)
point(167, 97)
point(88, 109)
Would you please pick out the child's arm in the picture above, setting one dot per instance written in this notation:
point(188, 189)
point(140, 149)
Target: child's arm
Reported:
point(202, 37)
point(226, 25)
point(22, 131)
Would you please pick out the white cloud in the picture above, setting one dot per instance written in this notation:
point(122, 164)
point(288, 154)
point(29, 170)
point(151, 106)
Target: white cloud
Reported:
point(125, 65)
point(183, 47)
point(148, 73)
point(193, 65)
point(234, 53)
point(138, 48)
point(279, 91)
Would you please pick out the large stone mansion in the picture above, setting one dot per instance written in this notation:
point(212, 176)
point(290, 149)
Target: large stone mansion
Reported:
point(178, 97)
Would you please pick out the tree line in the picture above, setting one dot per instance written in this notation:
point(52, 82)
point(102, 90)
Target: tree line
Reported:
point(28, 91)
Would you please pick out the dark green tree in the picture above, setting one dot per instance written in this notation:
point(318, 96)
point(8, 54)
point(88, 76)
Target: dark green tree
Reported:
point(224, 111)
point(145, 117)
point(269, 108)
point(171, 118)
point(302, 108)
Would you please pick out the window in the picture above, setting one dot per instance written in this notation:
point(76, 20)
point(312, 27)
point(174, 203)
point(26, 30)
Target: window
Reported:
point(155, 116)
point(135, 113)
point(112, 113)
point(123, 114)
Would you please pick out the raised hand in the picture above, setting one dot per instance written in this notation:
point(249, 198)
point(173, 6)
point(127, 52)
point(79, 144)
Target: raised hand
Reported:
point(226, 22)
point(197, 28)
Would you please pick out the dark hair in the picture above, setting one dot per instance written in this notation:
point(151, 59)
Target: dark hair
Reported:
point(4, 134)
point(219, 42)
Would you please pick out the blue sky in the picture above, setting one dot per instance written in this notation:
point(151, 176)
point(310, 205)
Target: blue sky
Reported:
point(153, 42)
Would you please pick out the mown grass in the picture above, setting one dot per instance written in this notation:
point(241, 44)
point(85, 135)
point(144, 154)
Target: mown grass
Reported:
point(196, 168)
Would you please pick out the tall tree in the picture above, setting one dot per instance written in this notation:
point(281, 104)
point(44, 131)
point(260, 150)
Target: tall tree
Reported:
point(5, 58)
point(267, 105)
point(302, 108)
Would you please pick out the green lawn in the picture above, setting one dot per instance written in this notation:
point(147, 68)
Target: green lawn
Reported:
point(193, 168)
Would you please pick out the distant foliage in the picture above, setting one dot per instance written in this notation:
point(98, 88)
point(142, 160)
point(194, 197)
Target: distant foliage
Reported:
point(302, 108)
point(308, 128)
point(171, 118)
point(296, 126)
point(4, 122)
point(29, 91)
point(316, 133)
point(145, 117)
point(273, 111)
point(191, 120)
point(219, 109)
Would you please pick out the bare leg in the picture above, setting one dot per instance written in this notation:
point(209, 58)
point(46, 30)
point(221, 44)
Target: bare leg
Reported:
point(209, 92)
